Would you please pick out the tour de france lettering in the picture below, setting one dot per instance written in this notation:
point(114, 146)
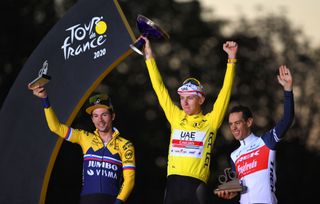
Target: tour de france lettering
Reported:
point(102, 168)
point(84, 37)
point(187, 143)
point(252, 162)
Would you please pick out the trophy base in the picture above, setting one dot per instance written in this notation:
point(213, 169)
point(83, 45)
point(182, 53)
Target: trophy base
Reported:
point(239, 189)
point(231, 186)
point(40, 81)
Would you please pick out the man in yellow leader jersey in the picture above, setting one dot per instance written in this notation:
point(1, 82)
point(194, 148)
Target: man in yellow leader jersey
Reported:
point(192, 132)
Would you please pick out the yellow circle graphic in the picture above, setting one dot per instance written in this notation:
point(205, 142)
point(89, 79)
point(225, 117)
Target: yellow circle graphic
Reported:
point(101, 27)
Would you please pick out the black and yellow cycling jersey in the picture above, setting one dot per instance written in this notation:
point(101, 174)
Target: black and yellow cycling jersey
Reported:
point(192, 136)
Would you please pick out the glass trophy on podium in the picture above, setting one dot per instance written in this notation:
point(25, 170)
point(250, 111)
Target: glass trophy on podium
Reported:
point(149, 30)
point(42, 78)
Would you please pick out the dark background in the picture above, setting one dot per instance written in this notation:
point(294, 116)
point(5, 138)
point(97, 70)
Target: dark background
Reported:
point(194, 49)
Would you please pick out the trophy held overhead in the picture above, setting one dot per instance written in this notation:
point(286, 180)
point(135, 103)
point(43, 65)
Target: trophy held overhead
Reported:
point(150, 30)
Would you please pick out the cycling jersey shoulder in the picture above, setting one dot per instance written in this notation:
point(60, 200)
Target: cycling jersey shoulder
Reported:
point(124, 148)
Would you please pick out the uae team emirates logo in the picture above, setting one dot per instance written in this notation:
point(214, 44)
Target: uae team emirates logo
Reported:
point(85, 37)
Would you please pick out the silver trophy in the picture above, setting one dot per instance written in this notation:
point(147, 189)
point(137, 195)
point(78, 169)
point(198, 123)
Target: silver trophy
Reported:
point(42, 78)
point(229, 182)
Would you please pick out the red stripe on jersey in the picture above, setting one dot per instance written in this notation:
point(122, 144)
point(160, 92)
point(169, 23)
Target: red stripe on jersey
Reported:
point(253, 161)
point(181, 143)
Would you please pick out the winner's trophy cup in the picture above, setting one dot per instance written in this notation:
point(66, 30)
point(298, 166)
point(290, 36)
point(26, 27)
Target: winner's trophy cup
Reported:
point(42, 78)
point(149, 30)
point(229, 182)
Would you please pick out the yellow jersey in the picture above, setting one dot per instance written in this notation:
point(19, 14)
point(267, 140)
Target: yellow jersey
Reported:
point(192, 136)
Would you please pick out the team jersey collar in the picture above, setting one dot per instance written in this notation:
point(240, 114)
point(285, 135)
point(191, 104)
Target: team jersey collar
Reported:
point(194, 117)
point(248, 140)
point(115, 134)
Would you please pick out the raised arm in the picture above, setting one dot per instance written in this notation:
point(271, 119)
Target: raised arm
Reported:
point(273, 136)
point(222, 102)
point(60, 129)
point(161, 91)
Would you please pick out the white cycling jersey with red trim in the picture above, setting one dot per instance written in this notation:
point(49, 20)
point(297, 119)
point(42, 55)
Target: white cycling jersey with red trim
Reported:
point(255, 160)
point(255, 167)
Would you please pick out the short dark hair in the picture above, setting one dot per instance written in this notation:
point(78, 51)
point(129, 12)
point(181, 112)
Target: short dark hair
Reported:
point(246, 112)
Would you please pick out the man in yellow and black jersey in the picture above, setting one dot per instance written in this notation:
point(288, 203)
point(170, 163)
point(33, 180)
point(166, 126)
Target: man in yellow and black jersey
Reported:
point(192, 132)
point(108, 158)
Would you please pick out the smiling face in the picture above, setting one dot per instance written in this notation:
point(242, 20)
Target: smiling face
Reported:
point(102, 119)
point(239, 127)
point(191, 103)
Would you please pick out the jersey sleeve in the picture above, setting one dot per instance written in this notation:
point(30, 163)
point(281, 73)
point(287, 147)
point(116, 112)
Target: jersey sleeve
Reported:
point(161, 91)
point(62, 130)
point(222, 102)
point(232, 164)
point(128, 166)
point(273, 136)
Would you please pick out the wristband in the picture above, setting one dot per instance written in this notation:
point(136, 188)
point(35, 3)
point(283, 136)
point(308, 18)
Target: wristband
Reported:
point(118, 201)
point(45, 102)
point(233, 61)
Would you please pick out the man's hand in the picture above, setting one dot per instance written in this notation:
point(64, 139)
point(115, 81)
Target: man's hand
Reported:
point(225, 194)
point(285, 78)
point(231, 48)
point(147, 48)
point(38, 91)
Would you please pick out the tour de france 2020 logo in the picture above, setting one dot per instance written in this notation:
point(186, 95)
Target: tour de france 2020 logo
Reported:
point(84, 37)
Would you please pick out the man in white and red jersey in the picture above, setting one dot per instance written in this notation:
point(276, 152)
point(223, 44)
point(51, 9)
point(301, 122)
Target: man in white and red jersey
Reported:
point(192, 132)
point(254, 161)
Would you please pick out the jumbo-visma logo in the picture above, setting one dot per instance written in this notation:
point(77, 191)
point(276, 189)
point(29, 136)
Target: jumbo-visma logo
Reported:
point(85, 37)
